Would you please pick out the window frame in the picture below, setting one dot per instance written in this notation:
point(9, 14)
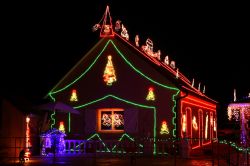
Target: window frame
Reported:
point(99, 120)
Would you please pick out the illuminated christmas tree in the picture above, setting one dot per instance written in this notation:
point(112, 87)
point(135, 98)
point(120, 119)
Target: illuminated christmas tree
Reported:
point(109, 73)
point(164, 128)
point(61, 127)
point(151, 95)
point(73, 96)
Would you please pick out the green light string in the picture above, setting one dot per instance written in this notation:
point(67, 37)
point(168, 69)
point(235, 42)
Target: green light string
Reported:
point(53, 119)
point(99, 138)
point(127, 61)
point(173, 110)
point(69, 116)
point(121, 138)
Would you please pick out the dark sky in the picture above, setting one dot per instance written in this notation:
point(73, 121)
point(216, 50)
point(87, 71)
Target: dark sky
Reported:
point(41, 42)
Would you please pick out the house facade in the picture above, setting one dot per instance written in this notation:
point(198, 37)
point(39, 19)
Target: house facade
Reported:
point(127, 90)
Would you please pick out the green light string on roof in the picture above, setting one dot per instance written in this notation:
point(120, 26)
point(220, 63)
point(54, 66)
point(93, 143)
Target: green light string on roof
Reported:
point(127, 61)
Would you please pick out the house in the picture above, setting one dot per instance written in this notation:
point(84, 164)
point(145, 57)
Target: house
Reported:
point(239, 111)
point(125, 90)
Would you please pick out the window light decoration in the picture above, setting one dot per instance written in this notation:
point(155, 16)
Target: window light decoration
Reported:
point(184, 123)
point(151, 95)
point(211, 119)
point(109, 73)
point(215, 125)
point(110, 120)
point(206, 127)
point(118, 120)
point(61, 127)
point(73, 96)
point(194, 123)
point(106, 120)
point(164, 128)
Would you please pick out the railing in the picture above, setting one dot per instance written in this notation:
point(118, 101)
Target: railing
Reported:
point(218, 152)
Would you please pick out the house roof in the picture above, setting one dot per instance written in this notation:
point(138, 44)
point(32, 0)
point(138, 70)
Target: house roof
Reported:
point(155, 59)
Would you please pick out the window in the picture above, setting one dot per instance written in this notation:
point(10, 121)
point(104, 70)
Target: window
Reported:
point(110, 120)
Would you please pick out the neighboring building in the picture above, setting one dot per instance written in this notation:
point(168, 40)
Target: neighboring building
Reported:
point(124, 89)
point(239, 111)
point(12, 129)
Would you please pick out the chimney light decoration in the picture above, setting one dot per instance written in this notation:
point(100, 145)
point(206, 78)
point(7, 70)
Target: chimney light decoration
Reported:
point(106, 27)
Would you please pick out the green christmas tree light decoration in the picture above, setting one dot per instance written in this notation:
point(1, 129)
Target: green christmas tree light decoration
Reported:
point(151, 95)
point(164, 128)
point(109, 73)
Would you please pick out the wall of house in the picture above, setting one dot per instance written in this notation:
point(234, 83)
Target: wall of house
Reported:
point(198, 121)
point(12, 129)
point(135, 76)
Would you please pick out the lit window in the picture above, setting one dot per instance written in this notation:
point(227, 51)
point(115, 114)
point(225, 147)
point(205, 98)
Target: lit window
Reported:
point(110, 120)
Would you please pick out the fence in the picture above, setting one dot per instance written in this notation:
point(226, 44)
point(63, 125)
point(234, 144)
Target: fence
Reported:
point(174, 150)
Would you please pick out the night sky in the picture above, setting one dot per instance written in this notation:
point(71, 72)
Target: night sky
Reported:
point(41, 42)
